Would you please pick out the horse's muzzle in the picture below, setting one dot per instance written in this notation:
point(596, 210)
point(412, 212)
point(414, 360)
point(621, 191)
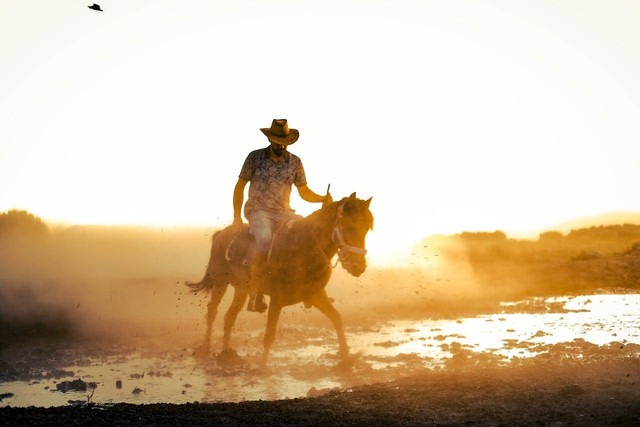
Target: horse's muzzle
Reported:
point(355, 264)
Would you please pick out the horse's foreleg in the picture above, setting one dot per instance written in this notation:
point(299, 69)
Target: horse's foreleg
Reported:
point(323, 303)
point(270, 334)
point(217, 292)
point(239, 298)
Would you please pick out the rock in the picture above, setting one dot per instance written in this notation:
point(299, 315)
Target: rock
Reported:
point(5, 396)
point(160, 374)
point(76, 385)
point(136, 391)
point(119, 384)
point(388, 344)
point(572, 390)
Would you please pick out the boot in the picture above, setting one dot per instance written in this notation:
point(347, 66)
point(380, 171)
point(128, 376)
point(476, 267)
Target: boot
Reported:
point(257, 271)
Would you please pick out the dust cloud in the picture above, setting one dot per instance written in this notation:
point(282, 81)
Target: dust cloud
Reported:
point(92, 279)
point(125, 281)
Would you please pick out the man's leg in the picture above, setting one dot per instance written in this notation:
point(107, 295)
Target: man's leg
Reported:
point(258, 272)
point(261, 228)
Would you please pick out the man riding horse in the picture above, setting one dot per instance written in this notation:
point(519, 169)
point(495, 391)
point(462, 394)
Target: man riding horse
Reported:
point(296, 265)
point(272, 171)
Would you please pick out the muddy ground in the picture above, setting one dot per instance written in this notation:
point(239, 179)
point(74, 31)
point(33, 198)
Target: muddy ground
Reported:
point(566, 383)
point(555, 390)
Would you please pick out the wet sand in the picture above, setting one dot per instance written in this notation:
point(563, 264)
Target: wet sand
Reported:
point(540, 361)
point(595, 392)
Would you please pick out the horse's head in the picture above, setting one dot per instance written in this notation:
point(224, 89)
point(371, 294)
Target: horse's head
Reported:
point(353, 222)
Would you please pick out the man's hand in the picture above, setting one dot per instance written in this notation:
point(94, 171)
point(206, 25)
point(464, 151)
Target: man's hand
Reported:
point(309, 196)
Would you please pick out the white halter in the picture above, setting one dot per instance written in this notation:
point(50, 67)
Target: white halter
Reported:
point(337, 237)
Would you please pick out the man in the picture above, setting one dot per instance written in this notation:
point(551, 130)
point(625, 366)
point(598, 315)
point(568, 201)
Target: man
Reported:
point(272, 171)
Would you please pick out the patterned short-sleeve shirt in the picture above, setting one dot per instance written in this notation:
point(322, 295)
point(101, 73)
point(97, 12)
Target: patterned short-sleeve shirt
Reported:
point(271, 182)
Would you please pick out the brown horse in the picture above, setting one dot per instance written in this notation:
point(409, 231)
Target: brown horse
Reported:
point(299, 268)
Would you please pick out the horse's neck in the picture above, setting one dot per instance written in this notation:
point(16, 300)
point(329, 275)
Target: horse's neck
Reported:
point(320, 229)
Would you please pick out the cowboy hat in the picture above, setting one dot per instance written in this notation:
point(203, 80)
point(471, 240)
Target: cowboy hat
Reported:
point(280, 133)
point(95, 7)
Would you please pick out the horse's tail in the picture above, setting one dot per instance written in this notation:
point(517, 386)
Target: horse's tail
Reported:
point(196, 287)
point(217, 267)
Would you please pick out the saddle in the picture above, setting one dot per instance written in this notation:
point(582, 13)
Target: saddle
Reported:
point(240, 249)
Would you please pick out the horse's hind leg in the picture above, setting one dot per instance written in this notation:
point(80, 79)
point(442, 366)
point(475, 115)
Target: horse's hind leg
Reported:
point(217, 292)
point(239, 298)
point(322, 302)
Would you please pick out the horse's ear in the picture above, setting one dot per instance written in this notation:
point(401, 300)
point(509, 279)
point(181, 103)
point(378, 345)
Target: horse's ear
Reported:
point(368, 202)
point(352, 196)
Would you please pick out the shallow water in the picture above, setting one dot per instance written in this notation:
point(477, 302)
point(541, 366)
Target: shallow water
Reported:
point(303, 358)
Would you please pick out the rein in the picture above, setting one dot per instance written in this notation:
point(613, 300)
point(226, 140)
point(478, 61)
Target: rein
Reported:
point(344, 249)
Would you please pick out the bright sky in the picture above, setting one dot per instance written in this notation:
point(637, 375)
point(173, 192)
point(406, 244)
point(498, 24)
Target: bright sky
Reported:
point(453, 115)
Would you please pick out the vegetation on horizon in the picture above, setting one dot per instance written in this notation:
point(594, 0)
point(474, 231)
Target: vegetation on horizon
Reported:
point(583, 243)
point(22, 223)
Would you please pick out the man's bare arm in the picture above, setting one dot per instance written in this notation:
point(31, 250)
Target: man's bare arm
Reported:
point(238, 198)
point(309, 196)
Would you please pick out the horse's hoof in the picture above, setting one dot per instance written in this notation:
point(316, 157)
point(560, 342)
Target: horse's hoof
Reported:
point(229, 358)
point(347, 362)
point(202, 352)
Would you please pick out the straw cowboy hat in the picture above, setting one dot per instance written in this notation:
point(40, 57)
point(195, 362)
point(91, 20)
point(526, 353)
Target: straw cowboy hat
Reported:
point(280, 133)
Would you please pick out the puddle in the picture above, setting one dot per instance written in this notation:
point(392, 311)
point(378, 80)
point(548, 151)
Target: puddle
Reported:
point(303, 358)
point(598, 319)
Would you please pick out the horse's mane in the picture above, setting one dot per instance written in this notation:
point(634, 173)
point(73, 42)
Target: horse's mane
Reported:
point(328, 213)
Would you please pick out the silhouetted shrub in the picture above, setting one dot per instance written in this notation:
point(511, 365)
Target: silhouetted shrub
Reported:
point(551, 237)
point(634, 248)
point(587, 255)
point(22, 223)
point(483, 236)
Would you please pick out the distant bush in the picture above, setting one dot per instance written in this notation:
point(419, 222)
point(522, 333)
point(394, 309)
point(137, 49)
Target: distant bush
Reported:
point(551, 236)
point(587, 255)
point(580, 244)
point(22, 223)
point(634, 248)
point(483, 236)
